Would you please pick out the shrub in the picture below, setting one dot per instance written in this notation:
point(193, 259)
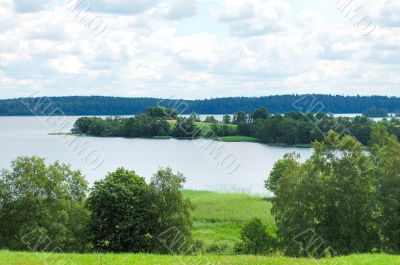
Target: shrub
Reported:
point(255, 239)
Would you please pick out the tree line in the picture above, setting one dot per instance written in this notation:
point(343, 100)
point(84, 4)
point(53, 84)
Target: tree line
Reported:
point(50, 208)
point(97, 105)
point(293, 128)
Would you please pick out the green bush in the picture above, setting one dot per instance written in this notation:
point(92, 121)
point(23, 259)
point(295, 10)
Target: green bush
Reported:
point(256, 240)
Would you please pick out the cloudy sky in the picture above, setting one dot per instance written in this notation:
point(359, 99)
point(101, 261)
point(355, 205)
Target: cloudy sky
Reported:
point(199, 48)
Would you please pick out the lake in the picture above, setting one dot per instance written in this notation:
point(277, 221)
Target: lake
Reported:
point(204, 168)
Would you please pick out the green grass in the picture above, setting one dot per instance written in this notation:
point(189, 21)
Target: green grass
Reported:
point(218, 217)
point(162, 137)
point(238, 139)
point(294, 145)
point(19, 258)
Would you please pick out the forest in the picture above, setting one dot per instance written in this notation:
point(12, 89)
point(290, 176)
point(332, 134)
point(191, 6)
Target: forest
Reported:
point(97, 105)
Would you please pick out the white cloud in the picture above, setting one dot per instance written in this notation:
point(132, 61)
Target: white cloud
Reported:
point(253, 17)
point(67, 65)
point(228, 48)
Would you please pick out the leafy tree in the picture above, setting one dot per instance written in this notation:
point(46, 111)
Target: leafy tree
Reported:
point(240, 117)
point(244, 129)
point(226, 119)
point(173, 210)
point(185, 128)
point(379, 136)
point(210, 119)
point(256, 240)
point(195, 117)
point(280, 169)
point(388, 172)
point(161, 112)
point(123, 217)
point(41, 207)
point(333, 194)
point(260, 113)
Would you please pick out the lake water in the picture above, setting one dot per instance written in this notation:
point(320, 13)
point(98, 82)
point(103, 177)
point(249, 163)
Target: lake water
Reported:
point(204, 170)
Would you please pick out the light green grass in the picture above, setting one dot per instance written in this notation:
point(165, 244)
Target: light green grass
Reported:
point(238, 139)
point(18, 258)
point(219, 217)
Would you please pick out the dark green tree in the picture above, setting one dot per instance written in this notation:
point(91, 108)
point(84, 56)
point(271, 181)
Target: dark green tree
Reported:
point(240, 117)
point(162, 112)
point(260, 113)
point(226, 119)
point(185, 128)
point(123, 213)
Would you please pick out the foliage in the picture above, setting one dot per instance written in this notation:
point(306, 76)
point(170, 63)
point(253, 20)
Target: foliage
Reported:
point(240, 117)
point(123, 213)
point(256, 240)
point(161, 112)
point(260, 113)
point(185, 128)
point(333, 193)
point(279, 170)
point(139, 126)
point(387, 157)
point(173, 210)
point(42, 207)
point(226, 119)
point(210, 119)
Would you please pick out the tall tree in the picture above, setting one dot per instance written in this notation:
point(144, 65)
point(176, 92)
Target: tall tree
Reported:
point(173, 211)
point(334, 194)
point(387, 156)
point(123, 215)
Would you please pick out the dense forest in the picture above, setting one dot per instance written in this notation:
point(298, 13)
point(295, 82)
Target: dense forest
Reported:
point(96, 105)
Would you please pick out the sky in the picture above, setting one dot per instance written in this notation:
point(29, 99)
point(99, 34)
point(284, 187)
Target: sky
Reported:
point(197, 49)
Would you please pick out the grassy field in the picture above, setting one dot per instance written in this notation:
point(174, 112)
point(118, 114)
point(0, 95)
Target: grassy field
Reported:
point(238, 139)
point(16, 258)
point(219, 217)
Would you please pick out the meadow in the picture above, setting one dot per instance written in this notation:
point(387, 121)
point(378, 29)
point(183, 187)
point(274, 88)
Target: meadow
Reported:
point(19, 258)
point(219, 217)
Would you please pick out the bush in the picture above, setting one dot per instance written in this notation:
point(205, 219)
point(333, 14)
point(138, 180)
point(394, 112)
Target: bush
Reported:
point(256, 240)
